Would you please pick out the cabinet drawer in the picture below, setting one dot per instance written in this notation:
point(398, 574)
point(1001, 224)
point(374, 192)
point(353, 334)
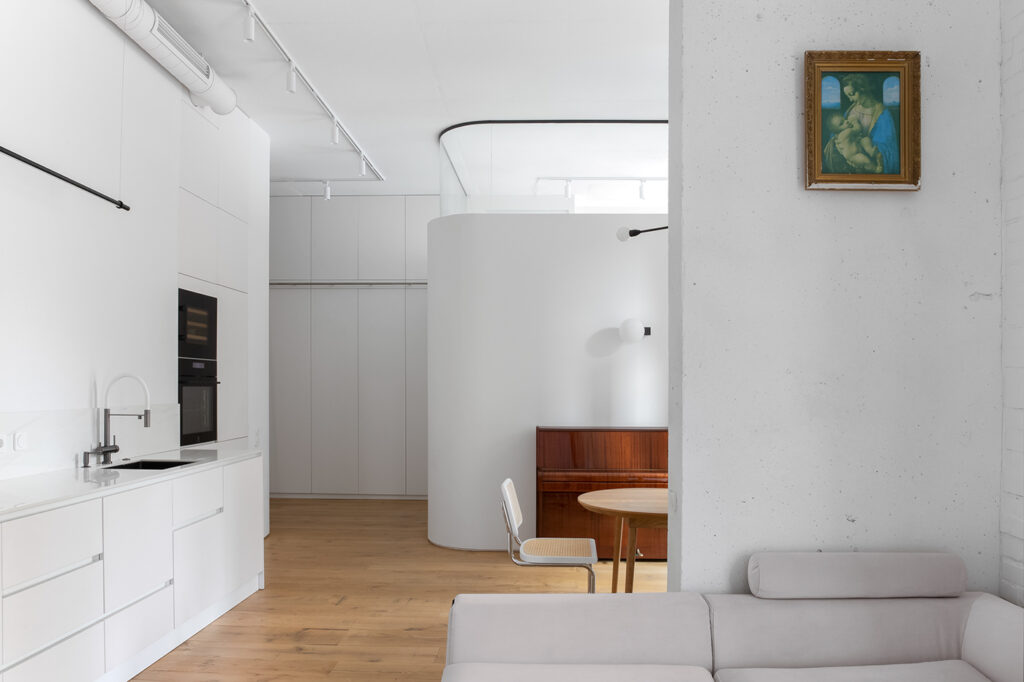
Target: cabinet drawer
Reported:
point(137, 552)
point(79, 659)
point(38, 545)
point(42, 614)
point(130, 631)
point(197, 496)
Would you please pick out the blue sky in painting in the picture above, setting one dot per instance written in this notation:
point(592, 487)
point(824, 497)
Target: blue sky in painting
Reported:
point(891, 91)
point(830, 92)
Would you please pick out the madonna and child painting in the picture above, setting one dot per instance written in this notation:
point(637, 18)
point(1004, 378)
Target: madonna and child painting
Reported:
point(863, 117)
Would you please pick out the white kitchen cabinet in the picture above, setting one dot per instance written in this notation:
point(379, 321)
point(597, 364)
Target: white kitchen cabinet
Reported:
point(199, 555)
point(128, 632)
point(335, 395)
point(416, 391)
point(232, 251)
point(290, 449)
point(199, 145)
point(381, 237)
point(232, 365)
point(243, 522)
point(233, 156)
point(42, 614)
point(77, 659)
point(382, 391)
point(419, 210)
point(137, 549)
point(51, 542)
point(335, 239)
point(290, 238)
point(197, 496)
point(197, 232)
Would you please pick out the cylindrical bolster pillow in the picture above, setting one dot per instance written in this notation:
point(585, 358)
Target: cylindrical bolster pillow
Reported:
point(851, 575)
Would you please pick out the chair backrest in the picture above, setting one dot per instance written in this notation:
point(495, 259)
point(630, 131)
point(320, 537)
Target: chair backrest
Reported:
point(510, 502)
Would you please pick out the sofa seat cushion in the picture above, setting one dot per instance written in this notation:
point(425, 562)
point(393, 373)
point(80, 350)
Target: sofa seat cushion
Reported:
point(572, 672)
point(932, 671)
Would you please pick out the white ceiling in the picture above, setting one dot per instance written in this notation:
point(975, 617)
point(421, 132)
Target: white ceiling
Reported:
point(397, 72)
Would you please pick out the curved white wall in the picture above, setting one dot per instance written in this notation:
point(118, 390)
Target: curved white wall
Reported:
point(523, 332)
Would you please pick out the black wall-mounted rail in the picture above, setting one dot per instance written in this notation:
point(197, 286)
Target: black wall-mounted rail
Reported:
point(49, 171)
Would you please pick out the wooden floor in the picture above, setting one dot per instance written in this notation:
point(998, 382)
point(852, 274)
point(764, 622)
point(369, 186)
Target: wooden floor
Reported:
point(354, 591)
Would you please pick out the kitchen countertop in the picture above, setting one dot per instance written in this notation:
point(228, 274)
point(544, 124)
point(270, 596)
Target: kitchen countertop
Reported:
point(26, 495)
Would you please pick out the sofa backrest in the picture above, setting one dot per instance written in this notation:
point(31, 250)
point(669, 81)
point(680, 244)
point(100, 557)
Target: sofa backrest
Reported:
point(748, 632)
point(994, 639)
point(669, 629)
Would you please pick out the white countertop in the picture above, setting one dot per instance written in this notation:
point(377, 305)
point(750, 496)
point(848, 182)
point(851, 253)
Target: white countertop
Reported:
point(40, 492)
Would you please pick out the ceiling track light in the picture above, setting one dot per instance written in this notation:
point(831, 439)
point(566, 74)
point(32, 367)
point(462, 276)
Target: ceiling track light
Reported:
point(327, 190)
point(293, 78)
point(294, 74)
point(250, 27)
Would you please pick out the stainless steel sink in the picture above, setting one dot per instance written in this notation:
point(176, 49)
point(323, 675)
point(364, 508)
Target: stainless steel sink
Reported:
point(152, 464)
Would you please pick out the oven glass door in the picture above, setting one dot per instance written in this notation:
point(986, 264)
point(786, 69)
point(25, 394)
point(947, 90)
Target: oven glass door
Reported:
point(197, 396)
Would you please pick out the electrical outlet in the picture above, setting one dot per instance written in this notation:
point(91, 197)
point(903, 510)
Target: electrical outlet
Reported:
point(5, 444)
point(20, 440)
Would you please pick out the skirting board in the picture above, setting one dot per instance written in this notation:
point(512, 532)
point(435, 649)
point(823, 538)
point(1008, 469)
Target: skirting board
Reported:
point(160, 648)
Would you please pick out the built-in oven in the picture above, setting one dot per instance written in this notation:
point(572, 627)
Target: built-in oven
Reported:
point(197, 396)
point(197, 325)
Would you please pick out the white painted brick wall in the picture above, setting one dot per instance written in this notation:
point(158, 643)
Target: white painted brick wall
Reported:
point(1012, 516)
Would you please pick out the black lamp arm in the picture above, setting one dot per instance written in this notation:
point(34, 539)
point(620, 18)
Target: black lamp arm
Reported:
point(634, 233)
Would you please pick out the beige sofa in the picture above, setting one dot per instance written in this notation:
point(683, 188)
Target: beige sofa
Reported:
point(811, 617)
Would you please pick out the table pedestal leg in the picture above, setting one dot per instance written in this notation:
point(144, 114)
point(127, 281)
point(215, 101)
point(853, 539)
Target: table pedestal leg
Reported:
point(618, 553)
point(630, 558)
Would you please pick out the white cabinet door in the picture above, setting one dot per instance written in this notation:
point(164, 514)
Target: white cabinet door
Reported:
point(243, 522)
point(130, 631)
point(79, 659)
point(197, 237)
point(289, 238)
point(233, 152)
point(335, 239)
point(198, 567)
point(137, 549)
point(382, 391)
point(232, 365)
point(290, 454)
point(53, 541)
point(335, 423)
point(232, 252)
point(416, 391)
point(199, 162)
point(418, 212)
point(382, 237)
point(197, 496)
point(36, 616)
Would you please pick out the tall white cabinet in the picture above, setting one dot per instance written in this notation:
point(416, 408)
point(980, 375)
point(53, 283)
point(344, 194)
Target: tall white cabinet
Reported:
point(348, 345)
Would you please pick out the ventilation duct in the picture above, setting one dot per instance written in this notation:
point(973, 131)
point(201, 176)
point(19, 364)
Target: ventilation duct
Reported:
point(153, 34)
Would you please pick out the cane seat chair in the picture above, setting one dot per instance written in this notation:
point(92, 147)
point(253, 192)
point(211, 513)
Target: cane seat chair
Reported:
point(570, 552)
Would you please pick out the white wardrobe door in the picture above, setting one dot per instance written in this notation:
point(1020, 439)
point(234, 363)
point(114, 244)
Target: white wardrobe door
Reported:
point(335, 435)
point(290, 458)
point(289, 238)
point(382, 237)
point(382, 391)
point(416, 391)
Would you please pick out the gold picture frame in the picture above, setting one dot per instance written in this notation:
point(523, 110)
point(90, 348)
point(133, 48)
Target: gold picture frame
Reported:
point(863, 120)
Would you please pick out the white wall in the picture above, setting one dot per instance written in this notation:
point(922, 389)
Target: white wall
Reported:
point(348, 345)
point(523, 324)
point(1012, 517)
point(88, 291)
point(840, 362)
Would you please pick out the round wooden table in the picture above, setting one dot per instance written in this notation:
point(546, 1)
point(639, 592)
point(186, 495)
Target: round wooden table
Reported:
point(640, 508)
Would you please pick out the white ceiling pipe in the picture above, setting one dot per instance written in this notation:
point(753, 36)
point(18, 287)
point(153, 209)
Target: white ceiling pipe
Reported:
point(141, 23)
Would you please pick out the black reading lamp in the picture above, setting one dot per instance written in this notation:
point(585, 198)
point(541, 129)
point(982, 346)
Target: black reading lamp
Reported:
point(625, 233)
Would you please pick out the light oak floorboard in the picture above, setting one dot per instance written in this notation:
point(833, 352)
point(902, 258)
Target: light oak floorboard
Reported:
point(354, 591)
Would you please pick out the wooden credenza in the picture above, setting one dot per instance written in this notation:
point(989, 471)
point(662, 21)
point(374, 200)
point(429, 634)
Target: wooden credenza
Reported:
point(572, 461)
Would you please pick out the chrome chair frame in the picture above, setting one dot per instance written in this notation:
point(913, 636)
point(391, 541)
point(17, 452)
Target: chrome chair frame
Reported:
point(519, 561)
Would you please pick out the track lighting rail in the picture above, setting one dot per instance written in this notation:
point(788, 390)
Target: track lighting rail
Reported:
point(49, 171)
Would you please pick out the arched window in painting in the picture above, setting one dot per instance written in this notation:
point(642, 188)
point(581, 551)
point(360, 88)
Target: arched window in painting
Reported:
point(830, 96)
point(891, 91)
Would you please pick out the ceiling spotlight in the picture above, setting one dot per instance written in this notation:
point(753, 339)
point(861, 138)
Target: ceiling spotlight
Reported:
point(336, 133)
point(292, 78)
point(250, 27)
point(362, 165)
point(327, 190)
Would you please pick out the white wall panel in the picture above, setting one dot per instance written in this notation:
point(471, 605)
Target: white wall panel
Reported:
point(335, 401)
point(232, 364)
point(382, 237)
point(290, 391)
point(335, 250)
point(200, 157)
point(419, 210)
point(289, 238)
point(382, 392)
point(416, 391)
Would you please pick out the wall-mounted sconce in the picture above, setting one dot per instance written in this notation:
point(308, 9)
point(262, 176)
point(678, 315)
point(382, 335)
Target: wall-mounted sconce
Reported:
point(632, 330)
point(624, 233)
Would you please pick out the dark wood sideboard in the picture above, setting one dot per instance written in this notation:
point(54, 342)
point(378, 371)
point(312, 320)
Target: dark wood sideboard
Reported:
point(572, 461)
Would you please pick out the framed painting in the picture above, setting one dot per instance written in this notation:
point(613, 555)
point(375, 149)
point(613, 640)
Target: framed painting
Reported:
point(863, 120)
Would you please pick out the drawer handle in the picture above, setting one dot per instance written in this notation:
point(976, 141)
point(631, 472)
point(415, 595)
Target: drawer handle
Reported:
point(198, 519)
point(29, 584)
